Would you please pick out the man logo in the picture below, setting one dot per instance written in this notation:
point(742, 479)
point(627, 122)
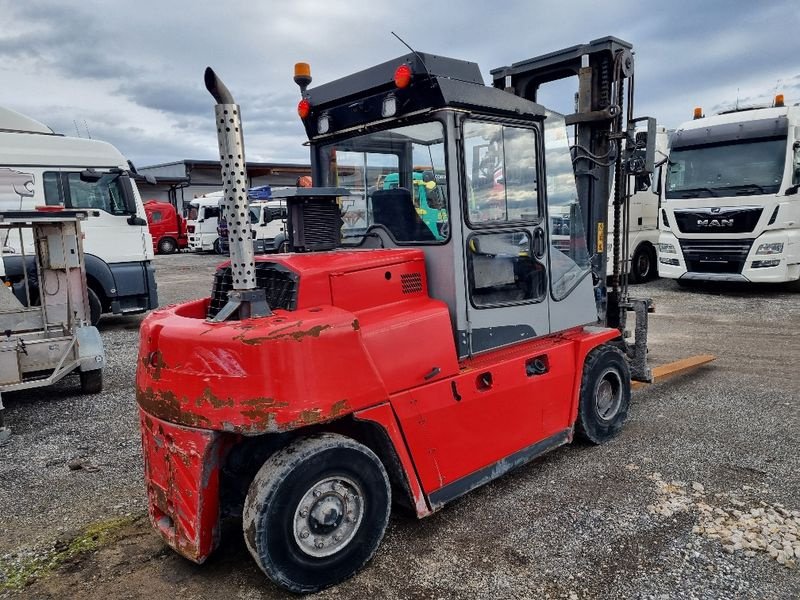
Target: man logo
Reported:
point(715, 222)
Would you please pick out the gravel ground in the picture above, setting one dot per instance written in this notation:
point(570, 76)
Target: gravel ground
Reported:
point(697, 498)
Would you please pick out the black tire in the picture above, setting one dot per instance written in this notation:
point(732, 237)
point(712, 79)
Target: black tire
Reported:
point(275, 525)
point(218, 246)
point(643, 265)
point(605, 395)
point(95, 307)
point(167, 245)
point(92, 381)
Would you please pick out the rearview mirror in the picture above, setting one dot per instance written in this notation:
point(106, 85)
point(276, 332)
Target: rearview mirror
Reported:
point(90, 176)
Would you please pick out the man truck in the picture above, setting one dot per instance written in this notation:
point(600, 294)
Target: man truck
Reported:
point(731, 211)
point(41, 168)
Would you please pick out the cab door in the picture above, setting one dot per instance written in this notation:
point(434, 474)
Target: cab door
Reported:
point(510, 398)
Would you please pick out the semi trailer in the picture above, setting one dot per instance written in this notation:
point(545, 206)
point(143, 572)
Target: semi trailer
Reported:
point(295, 396)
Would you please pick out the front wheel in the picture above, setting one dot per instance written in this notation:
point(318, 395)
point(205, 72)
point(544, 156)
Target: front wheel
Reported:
point(605, 394)
point(95, 307)
point(643, 265)
point(167, 245)
point(316, 512)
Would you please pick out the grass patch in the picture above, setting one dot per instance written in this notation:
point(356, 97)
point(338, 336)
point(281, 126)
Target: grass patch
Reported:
point(21, 570)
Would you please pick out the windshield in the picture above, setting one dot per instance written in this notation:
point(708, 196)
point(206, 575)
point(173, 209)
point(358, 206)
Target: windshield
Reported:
point(255, 215)
point(740, 168)
point(396, 179)
point(191, 214)
point(569, 258)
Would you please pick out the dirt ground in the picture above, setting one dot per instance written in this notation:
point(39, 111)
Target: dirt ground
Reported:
point(632, 519)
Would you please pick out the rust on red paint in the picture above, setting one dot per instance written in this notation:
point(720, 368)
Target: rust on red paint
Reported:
point(356, 325)
point(167, 406)
point(283, 333)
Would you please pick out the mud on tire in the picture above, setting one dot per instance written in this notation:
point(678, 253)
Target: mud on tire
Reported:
point(605, 395)
point(316, 512)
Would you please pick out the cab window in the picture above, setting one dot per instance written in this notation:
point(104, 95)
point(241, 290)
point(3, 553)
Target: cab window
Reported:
point(69, 190)
point(502, 269)
point(501, 173)
point(155, 216)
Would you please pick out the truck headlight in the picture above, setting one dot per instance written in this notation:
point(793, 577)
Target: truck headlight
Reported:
point(667, 248)
point(775, 248)
point(673, 262)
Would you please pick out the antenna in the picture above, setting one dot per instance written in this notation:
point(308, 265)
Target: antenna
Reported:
point(402, 41)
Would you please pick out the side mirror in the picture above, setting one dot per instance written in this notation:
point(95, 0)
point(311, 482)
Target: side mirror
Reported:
point(641, 148)
point(641, 183)
point(150, 179)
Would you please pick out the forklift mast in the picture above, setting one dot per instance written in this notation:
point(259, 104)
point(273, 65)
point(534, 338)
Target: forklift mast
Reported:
point(603, 121)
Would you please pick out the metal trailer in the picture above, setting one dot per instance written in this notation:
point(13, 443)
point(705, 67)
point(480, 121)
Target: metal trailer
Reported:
point(44, 316)
point(314, 388)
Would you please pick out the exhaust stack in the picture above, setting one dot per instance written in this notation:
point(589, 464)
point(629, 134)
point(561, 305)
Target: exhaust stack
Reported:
point(245, 299)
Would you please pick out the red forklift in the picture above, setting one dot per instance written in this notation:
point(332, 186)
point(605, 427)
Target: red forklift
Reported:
point(312, 390)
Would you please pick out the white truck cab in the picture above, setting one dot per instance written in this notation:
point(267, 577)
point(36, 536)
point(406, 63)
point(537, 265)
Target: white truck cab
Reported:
point(731, 210)
point(41, 168)
point(202, 218)
point(268, 226)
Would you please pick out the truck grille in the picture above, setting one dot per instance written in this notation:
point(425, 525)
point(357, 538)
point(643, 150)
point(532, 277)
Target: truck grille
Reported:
point(715, 256)
point(727, 220)
point(280, 283)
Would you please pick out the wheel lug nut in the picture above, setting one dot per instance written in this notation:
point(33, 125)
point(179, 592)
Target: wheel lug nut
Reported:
point(304, 534)
point(337, 537)
point(317, 493)
point(319, 544)
point(304, 513)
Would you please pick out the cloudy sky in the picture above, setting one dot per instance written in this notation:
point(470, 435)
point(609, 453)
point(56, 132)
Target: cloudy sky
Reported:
point(131, 72)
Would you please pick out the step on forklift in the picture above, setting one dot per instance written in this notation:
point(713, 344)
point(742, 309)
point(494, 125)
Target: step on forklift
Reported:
point(45, 326)
point(313, 389)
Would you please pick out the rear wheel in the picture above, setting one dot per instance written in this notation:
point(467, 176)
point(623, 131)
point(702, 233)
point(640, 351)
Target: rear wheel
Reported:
point(92, 381)
point(218, 246)
point(95, 306)
point(605, 394)
point(316, 512)
point(167, 245)
point(643, 265)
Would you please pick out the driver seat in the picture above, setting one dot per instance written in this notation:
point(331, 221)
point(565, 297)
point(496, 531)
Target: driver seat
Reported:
point(394, 209)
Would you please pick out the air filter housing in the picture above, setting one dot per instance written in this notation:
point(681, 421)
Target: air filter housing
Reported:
point(315, 220)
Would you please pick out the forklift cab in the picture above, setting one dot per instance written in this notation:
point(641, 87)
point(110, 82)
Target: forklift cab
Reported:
point(506, 160)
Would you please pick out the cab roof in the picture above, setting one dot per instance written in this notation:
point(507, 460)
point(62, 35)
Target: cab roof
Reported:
point(437, 82)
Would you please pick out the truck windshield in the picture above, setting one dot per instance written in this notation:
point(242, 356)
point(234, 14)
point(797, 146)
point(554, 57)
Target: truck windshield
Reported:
point(740, 168)
point(397, 183)
point(191, 214)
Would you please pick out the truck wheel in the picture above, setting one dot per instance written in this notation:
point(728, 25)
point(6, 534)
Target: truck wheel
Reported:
point(643, 265)
point(316, 512)
point(92, 381)
point(605, 395)
point(167, 245)
point(95, 307)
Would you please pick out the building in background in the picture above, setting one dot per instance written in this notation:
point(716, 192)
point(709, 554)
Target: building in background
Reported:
point(180, 181)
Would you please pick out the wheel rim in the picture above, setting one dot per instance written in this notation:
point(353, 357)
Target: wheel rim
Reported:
point(644, 265)
point(608, 394)
point(328, 516)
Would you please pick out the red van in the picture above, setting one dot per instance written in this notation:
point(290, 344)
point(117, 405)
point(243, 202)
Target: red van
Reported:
point(167, 227)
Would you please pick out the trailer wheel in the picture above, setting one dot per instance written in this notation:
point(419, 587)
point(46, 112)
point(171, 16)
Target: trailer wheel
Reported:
point(95, 306)
point(605, 395)
point(316, 512)
point(643, 265)
point(92, 381)
point(167, 245)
